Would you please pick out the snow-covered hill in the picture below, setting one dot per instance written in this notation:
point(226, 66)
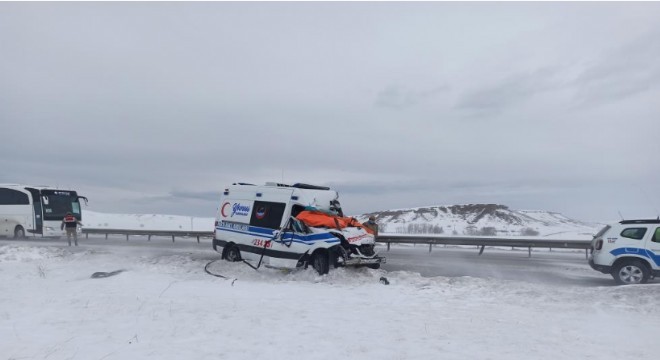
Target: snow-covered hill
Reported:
point(480, 219)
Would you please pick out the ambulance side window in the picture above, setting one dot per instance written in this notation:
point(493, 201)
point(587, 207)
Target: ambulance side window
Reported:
point(296, 209)
point(298, 226)
point(267, 214)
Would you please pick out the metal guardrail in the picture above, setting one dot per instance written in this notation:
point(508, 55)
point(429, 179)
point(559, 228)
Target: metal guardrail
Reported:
point(483, 241)
point(479, 241)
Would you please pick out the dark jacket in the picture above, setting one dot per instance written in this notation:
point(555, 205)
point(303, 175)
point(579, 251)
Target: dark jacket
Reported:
point(70, 222)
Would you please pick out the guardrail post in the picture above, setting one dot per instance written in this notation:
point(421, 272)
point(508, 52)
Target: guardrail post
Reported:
point(586, 254)
point(149, 238)
point(86, 236)
point(430, 246)
point(388, 246)
point(529, 249)
point(106, 236)
point(172, 238)
point(198, 239)
point(126, 237)
point(481, 251)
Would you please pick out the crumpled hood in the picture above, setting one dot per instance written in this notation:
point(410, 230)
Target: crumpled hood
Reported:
point(354, 235)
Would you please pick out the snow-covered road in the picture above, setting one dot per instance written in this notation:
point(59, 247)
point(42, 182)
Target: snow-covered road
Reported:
point(164, 306)
point(559, 267)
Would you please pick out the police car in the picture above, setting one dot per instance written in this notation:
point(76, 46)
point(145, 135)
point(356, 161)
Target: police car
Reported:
point(629, 251)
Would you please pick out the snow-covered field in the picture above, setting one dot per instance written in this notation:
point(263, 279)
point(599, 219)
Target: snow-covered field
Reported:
point(164, 306)
point(99, 220)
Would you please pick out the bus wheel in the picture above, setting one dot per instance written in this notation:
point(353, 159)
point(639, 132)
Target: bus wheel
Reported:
point(232, 253)
point(19, 232)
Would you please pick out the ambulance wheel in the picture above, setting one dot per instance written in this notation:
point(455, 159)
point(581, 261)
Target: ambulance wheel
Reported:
point(374, 266)
point(320, 262)
point(232, 253)
point(19, 232)
point(339, 256)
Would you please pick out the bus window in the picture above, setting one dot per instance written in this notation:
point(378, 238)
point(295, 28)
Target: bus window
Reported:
point(13, 197)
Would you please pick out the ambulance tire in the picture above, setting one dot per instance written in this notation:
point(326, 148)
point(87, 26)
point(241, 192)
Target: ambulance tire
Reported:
point(339, 255)
point(374, 266)
point(320, 262)
point(232, 253)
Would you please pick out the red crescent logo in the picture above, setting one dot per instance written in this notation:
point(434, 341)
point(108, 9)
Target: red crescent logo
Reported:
point(222, 209)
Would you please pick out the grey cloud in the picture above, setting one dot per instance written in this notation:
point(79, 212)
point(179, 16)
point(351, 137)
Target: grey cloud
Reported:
point(154, 107)
point(197, 195)
point(398, 97)
point(432, 185)
point(621, 72)
point(508, 92)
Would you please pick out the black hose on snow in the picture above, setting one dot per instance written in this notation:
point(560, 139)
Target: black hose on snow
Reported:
point(206, 268)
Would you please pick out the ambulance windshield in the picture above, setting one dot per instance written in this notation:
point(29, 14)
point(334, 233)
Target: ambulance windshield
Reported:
point(335, 207)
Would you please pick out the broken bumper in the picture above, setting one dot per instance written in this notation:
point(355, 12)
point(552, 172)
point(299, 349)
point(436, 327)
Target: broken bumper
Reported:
point(356, 261)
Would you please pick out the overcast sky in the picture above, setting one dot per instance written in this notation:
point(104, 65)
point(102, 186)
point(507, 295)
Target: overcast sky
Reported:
point(155, 107)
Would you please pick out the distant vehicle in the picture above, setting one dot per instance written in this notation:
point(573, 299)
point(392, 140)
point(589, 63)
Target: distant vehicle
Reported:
point(290, 226)
point(629, 251)
point(37, 210)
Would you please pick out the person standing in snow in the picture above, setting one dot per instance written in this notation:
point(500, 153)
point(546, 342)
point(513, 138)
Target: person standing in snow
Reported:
point(372, 225)
point(71, 224)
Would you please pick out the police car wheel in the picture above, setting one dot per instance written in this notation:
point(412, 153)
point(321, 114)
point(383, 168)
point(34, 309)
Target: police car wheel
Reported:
point(19, 232)
point(232, 253)
point(630, 272)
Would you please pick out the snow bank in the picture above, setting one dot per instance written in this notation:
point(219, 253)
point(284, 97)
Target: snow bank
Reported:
point(23, 253)
point(164, 306)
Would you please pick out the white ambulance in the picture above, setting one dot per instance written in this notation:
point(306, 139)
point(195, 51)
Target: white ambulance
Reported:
point(263, 224)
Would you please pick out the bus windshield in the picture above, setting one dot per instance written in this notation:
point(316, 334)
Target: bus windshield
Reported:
point(57, 203)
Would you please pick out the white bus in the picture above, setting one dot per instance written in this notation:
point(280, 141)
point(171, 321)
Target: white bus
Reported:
point(37, 210)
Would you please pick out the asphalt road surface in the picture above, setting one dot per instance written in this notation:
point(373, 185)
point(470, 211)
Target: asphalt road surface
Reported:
point(563, 266)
